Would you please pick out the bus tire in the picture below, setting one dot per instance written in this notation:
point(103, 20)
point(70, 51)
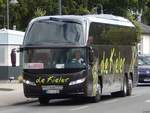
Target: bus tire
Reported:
point(97, 97)
point(129, 90)
point(124, 90)
point(43, 100)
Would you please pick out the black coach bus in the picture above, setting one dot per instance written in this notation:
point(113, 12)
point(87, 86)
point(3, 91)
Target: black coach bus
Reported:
point(67, 56)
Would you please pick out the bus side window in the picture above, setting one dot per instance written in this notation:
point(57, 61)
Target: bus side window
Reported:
point(96, 34)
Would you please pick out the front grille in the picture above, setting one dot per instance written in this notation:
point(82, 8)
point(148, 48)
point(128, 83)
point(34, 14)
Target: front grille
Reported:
point(144, 78)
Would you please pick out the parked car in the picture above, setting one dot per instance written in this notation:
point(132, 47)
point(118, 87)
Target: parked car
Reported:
point(144, 70)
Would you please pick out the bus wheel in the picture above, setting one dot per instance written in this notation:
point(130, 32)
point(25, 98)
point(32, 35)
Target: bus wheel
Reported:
point(129, 89)
point(97, 98)
point(43, 100)
point(124, 91)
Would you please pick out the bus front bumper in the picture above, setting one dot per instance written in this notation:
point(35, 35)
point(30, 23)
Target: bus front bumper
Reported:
point(31, 90)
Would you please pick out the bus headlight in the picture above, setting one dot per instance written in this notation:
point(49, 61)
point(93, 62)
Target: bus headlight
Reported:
point(77, 81)
point(29, 82)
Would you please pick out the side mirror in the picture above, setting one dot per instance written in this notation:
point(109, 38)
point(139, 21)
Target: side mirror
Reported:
point(91, 56)
point(13, 57)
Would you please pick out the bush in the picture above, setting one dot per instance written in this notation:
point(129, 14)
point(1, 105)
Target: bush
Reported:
point(20, 79)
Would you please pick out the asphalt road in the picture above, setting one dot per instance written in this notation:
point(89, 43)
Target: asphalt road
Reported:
point(139, 102)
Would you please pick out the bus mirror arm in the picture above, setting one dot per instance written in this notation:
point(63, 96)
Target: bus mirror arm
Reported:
point(20, 49)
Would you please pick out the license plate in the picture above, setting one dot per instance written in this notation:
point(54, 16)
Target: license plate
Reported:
point(52, 91)
point(52, 87)
point(146, 80)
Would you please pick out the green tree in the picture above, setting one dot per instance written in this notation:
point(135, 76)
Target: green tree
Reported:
point(25, 10)
point(146, 13)
point(2, 13)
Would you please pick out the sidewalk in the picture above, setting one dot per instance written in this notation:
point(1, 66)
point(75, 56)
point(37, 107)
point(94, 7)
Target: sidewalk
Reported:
point(6, 85)
point(11, 93)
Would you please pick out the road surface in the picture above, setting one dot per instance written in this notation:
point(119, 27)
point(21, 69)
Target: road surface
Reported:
point(15, 102)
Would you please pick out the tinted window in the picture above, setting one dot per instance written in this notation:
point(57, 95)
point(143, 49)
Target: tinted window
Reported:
point(54, 32)
point(111, 34)
point(56, 58)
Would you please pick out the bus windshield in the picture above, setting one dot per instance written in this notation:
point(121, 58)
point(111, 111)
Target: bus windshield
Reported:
point(48, 31)
point(55, 58)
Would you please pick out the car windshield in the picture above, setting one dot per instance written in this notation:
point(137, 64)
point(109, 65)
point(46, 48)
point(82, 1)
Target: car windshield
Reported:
point(145, 60)
point(50, 31)
point(55, 58)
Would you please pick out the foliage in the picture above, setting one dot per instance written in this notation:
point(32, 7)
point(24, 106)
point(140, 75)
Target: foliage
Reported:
point(138, 28)
point(146, 13)
point(20, 79)
point(25, 10)
point(39, 12)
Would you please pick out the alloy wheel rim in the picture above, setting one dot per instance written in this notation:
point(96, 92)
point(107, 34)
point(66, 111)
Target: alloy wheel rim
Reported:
point(125, 88)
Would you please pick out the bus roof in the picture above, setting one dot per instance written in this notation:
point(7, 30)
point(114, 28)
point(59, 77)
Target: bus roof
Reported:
point(100, 18)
